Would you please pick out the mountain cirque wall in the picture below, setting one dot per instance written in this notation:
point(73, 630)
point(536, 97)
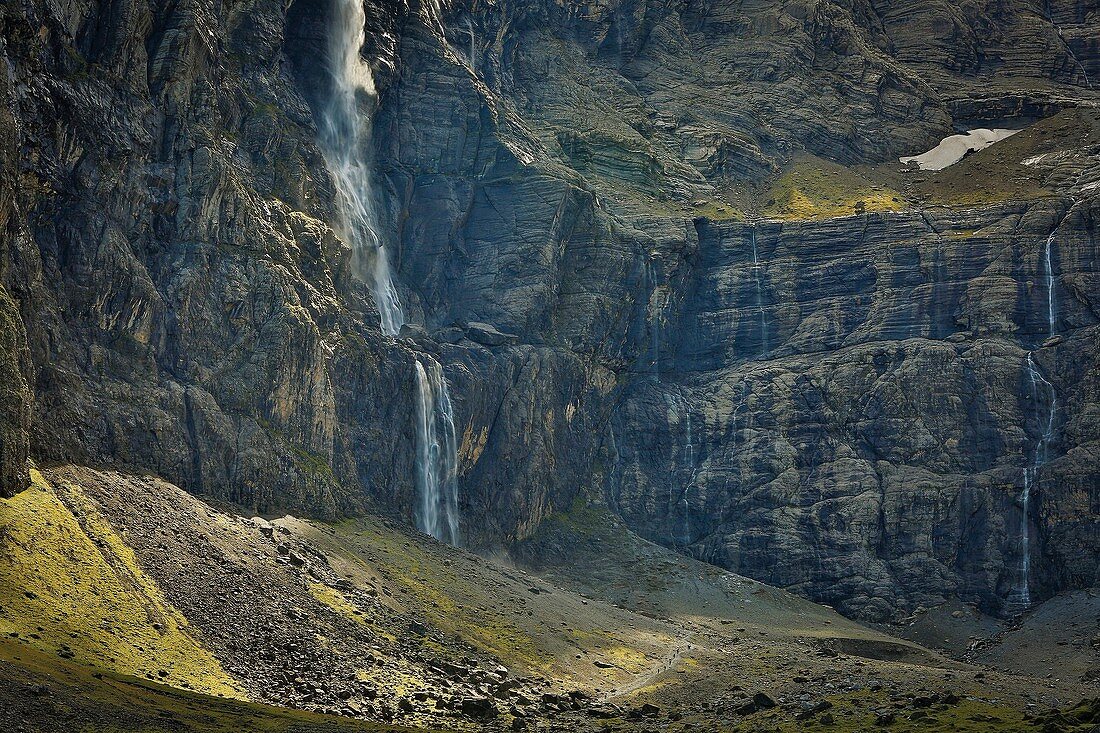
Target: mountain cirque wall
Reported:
point(836, 405)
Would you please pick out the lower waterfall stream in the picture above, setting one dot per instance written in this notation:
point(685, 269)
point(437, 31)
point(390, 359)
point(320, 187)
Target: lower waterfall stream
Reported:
point(437, 450)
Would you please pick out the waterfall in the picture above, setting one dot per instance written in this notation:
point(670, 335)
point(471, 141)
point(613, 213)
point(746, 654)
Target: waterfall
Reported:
point(759, 296)
point(344, 140)
point(1050, 282)
point(473, 48)
point(1041, 390)
point(689, 460)
point(655, 315)
point(682, 468)
point(437, 451)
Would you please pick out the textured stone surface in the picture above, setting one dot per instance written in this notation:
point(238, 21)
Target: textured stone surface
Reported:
point(15, 361)
point(579, 176)
point(862, 432)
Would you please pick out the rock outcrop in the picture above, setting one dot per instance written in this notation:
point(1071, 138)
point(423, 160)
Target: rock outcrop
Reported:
point(599, 231)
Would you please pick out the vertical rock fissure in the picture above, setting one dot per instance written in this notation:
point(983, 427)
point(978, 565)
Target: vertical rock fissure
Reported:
point(344, 137)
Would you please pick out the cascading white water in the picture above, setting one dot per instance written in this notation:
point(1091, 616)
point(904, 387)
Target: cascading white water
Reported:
point(437, 462)
point(759, 296)
point(344, 140)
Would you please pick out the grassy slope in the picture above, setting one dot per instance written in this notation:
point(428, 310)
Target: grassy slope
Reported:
point(530, 625)
point(70, 586)
point(812, 188)
point(597, 609)
point(44, 694)
point(746, 637)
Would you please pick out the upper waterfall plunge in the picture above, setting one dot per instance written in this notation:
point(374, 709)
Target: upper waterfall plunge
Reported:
point(344, 140)
point(437, 455)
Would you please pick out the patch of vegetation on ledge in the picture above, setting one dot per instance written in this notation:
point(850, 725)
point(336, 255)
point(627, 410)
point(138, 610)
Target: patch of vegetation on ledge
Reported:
point(812, 188)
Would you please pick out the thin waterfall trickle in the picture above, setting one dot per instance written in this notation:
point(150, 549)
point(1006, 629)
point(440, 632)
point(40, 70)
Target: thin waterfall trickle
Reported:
point(1050, 282)
point(1045, 399)
point(759, 296)
point(344, 140)
point(1041, 391)
point(437, 450)
point(684, 468)
point(657, 301)
point(689, 461)
point(473, 47)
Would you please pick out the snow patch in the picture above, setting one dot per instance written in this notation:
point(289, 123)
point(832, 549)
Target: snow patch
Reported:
point(954, 148)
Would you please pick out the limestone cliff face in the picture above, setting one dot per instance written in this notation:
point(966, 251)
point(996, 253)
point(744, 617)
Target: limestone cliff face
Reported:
point(833, 399)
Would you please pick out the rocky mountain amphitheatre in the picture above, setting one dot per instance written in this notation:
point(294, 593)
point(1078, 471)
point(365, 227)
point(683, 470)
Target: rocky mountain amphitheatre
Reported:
point(549, 365)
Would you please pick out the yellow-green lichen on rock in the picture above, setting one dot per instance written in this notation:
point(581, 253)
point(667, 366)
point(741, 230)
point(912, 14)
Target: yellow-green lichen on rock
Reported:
point(69, 585)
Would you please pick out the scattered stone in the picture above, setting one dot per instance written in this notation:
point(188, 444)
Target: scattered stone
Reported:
point(478, 707)
point(885, 719)
point(762, 701)
point(809, 710)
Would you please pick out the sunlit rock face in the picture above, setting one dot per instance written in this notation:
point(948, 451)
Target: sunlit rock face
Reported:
point(593, 230)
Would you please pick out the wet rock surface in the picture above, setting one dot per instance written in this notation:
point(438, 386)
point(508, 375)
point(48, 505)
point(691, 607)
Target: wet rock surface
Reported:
point(835, 405)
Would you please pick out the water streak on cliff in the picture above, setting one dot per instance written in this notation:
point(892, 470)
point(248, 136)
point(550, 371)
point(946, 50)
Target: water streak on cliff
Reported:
point(1050, 282)
point(759, 296)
